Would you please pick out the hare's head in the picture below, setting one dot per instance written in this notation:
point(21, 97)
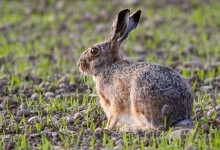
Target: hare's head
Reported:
point(100, 55)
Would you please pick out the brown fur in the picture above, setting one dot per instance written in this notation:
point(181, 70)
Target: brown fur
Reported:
point(139, 95)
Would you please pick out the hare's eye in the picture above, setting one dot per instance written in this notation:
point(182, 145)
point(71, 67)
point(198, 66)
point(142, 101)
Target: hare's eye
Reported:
point(94, 51)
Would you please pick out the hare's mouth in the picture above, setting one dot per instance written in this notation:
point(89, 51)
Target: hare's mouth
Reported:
point(83, 66)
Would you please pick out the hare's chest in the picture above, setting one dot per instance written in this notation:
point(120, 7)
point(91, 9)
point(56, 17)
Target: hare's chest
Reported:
point(114, 95)
point(105, 102)
point(117, 90)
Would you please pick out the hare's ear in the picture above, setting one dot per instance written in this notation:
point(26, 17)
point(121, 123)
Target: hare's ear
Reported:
point(123, 25)
point(133, 22)
point(120, 25)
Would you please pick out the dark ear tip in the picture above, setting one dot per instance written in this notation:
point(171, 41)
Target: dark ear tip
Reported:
point(125, 11)
point(139, 11)
point(137, 15)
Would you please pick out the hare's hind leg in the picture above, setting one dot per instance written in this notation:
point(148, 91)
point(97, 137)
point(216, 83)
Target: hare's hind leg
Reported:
point(141, 121)
point(141, 107)
point(138, 116)
point(137, 122)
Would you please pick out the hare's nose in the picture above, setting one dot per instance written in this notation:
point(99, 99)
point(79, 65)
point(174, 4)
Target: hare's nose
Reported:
point(81, 61)
point(78, 64)
point(82, 58)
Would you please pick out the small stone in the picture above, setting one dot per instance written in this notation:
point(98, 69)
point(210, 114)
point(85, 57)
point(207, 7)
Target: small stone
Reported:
point(57, 116)
point(22, 95)
point(119, 142)
point(49, 94)
point(93, 95)
point(219, 113)
point(62, 90)
point(21, 127)
point(198, 110)
point(58, 97)
point(70, 119)
point(79, 116)
point(23, 106)
point(98, 132)
point(2, 106)
point(36, 79)
point(4, 77)
point(209, 107)
point(10, 145)
point(84, 123)
point(88, 131)
point(205, 128)
point(34, 135)
point(202, 118)
point(34, 119)
point(210, 113)
point(189, 148)
point(7, 138)
point(217, 84)
point(55, 122)
point(85, 147)
point(218, 121)
point(62, 85)
point(146, 140)
point(35, 96)
point(24, 112)
point(77, 79)
point(81, 107)
point(149, 133)
point(179, 133)
point(194, 63)
point(217, 107)
point(17, 119)
point(206, 88)
point(42, 85)
point(64, 79)
point(208, 81)
point(82, 88)
point(118, 147)
point(54, 134)
point(98, 145)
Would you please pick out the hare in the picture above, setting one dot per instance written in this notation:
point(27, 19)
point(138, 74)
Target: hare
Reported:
point(136, 95)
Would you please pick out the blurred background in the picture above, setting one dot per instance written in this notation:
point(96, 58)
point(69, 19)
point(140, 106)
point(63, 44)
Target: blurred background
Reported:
point(44, 37)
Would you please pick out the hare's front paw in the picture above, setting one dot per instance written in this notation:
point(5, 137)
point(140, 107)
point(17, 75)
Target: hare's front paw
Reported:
point(133, 128)
point(125, 128)
point(112, 122)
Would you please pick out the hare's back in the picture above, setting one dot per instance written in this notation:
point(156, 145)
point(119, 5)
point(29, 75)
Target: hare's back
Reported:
point(160, 80)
